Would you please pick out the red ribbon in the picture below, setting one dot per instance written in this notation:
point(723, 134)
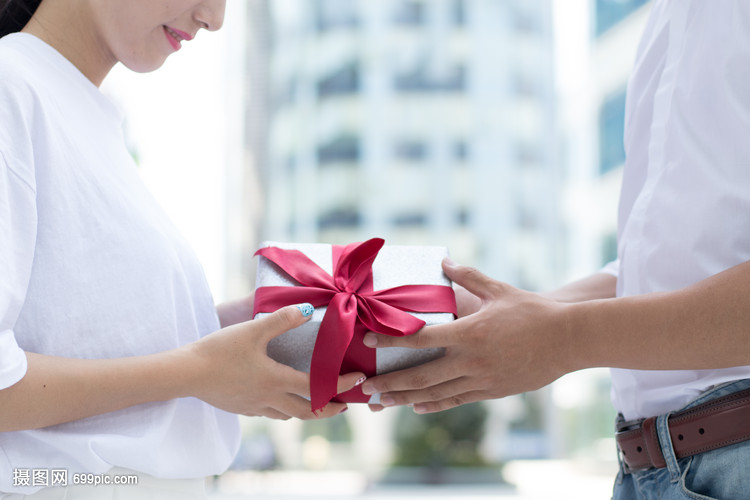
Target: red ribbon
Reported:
point(353, 310)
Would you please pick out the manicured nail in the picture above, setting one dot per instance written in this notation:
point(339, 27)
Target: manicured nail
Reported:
point(449, 262)
point(360, 381)
point(387, 401)
point(306, 309)
point(368, 389)
point(343, 410)
point(420, 409)
point(370, 340)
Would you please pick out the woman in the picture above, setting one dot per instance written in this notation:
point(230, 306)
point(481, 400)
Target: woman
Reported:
point(108, 362)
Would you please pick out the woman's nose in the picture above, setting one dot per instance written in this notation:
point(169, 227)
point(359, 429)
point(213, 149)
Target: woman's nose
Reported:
point(209, 14)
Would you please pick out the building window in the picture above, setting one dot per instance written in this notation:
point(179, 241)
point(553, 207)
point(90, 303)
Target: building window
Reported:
point(410, 12)
point(342, 217)
point(421, 80)
point(458, 12)
point(410, 150)
point(332, 14)
point(526, 23)
point(460, 151)
point(463, 217)
point(410, 220)
point(611, 132)
point(609, 248)
point(525, 85)
point(344, 148)
point(345, 80)
point(527, 154)
point(611, 12)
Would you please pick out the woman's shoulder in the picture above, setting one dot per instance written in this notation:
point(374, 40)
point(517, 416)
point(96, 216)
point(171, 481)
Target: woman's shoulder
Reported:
point(18, 107)
point(17, 73)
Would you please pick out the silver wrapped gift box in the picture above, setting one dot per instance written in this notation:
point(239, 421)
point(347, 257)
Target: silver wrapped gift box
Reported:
point(394, 266)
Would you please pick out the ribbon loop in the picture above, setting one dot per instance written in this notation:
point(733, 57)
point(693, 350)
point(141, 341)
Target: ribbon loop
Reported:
point(353, 308)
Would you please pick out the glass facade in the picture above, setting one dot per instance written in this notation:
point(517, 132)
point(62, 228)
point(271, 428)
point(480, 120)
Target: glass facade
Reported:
point(611, 12)
point(611, 132)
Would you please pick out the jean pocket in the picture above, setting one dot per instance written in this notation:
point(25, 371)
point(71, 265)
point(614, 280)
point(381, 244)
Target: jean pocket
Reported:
point(688, 488)
point(720, 474)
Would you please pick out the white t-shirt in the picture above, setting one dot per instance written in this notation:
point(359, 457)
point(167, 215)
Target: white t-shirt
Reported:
point(91, 267)
point(685, 203)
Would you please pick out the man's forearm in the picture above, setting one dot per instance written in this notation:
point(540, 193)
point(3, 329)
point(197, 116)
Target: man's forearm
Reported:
point(596, 286)
point(703, 326)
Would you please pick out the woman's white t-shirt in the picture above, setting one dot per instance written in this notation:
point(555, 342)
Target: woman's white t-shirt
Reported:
point(91, 267)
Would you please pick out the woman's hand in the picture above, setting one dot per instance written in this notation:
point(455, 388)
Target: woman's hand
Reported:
point(234, 373)
point(515, 342)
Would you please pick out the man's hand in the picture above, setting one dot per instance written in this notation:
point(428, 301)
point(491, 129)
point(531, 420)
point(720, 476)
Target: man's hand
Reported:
point(515, 342)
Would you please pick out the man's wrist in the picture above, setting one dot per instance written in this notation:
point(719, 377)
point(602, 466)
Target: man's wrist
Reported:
point(579, 346)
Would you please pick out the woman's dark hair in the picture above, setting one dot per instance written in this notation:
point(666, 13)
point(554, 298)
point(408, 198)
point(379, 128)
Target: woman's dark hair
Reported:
point(14, 14)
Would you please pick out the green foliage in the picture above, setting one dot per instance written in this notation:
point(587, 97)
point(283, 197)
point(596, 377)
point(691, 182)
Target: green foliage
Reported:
point(446, 439)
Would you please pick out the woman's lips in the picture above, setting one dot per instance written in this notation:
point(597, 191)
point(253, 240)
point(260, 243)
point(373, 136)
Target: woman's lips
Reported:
point(175, 36)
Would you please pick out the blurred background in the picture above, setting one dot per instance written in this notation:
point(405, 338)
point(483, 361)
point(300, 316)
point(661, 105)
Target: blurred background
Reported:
point(492, 127)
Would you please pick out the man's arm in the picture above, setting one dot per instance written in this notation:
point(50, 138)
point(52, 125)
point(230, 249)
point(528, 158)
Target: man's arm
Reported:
point(596, 286)
point(519, 341)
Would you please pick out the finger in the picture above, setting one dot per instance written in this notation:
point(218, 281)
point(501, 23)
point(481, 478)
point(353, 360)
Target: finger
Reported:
point(447, 404)
point(419, 377)
point(287, 379)
point(429, 337)
point(440, 392)
point(270, 413)
point(350, 381)
point(297, 384)
point(470, 278)
point(330, 410)
point(299, 407)
point(284, 319)
point(376, 408)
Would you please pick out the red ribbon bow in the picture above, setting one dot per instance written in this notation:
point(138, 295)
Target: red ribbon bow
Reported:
point(353, 309)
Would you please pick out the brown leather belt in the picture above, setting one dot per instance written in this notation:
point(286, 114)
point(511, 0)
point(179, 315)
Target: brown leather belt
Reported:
point(711, 425)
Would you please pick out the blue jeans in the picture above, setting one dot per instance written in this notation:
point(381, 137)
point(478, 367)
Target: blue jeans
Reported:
point(721, 474)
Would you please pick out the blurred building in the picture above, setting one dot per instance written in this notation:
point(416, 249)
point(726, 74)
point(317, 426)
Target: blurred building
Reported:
point(442, 122)
point(591, 126)
point(592, 116)
point(420, 121)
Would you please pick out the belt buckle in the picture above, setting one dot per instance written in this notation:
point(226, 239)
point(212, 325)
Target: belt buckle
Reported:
point(628, 425)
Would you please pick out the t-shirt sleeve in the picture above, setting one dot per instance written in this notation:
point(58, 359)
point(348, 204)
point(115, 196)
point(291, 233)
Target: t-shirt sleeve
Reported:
point(612, 268)
point(17, 240)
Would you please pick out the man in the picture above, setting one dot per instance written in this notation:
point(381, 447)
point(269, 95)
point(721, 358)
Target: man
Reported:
point(671, 316)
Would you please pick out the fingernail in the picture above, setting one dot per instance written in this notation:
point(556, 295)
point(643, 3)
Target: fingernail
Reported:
point(420, 409)
point(368, 389)
point(343, 410)
point(360, 381)
point(449, 262)
point(306, 309)
point(387, 401)
point(370, 340)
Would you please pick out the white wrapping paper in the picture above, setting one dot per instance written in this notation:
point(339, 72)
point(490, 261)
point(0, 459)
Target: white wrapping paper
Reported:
point(394, 266)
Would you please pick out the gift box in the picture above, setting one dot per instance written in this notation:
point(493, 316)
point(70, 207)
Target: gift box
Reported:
point(393, 290)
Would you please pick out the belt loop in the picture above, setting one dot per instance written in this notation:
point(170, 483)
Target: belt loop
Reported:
point(667, 449)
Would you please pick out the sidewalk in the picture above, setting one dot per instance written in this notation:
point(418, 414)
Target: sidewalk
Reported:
point(529, 480)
